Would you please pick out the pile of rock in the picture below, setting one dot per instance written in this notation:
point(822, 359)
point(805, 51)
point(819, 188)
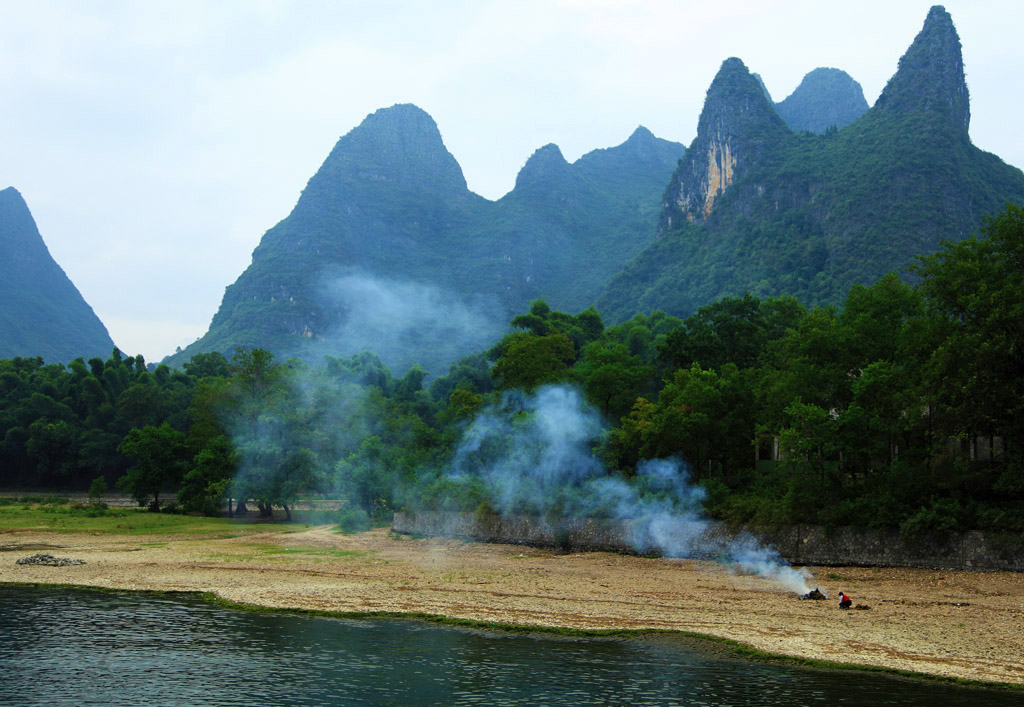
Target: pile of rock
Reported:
point(50, 560)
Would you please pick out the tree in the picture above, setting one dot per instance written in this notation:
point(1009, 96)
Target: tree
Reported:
point(812, 438)
point(611, 377)
point(204, 486)
point(142, 403)
point(255, 370)
point(463, 404)
point(627, 442)
point(704, 416)
point(975, 287)
point(526, 361)
point(271, 425)
point(411, 383)
point(644, 335)
point(208, 365)
point(875, 319)
point(53, 448)
point(729, 331)
point(159, 454)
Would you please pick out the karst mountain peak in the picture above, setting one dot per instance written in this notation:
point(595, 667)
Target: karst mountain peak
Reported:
point(930, 79)
point(736, 125)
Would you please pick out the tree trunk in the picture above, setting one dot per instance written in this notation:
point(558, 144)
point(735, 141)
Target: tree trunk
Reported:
point(287, 512)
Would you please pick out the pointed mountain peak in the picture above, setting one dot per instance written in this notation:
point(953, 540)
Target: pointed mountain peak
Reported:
point(825, 97)
point(404, 127)
point(648, 148)
point(16, 222)
point(640, 136)
point(637, 160)
point(12, 198)
point(736, 103)
point(547, 154)
point(43, 313)
point(736, 125)
point(546, 166)
point(400, 144)
point(930, 78)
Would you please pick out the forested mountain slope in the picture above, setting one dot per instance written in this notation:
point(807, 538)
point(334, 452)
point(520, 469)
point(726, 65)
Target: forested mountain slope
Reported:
point(41, 311)
point(756, 207)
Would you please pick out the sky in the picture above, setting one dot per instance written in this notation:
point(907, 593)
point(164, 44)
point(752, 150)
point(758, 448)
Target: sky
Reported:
point(155, 142)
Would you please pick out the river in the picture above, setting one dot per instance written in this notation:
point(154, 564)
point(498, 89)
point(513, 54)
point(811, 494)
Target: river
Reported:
point(62, 646)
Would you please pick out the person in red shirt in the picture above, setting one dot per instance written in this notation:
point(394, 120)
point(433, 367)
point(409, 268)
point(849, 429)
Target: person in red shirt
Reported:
point(845, 601)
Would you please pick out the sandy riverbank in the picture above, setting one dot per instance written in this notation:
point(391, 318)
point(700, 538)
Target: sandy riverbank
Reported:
point(955, 624)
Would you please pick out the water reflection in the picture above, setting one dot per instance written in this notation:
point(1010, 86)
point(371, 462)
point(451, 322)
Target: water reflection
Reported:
point(76, 647)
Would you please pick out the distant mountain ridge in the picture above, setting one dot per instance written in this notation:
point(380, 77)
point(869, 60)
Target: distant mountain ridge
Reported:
point(41, 312)
point(758, 203)
point(824, 99)
point(756, 207)
point(390, 202)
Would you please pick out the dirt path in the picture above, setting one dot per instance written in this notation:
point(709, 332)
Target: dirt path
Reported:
point(959, 624)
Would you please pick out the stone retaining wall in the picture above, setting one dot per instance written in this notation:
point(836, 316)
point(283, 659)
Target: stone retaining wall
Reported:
point(800, 545)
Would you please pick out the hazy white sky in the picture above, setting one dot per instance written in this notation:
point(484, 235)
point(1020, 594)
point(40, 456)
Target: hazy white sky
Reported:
point(155, 142)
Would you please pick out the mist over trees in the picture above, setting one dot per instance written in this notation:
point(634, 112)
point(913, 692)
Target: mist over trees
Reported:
point(900, 409)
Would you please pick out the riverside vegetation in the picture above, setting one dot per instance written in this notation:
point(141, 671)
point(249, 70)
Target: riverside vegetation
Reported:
point(875, 408)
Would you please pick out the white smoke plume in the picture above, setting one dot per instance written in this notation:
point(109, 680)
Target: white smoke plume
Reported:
point(532, 454)
point(274, 435)
point(405, 322)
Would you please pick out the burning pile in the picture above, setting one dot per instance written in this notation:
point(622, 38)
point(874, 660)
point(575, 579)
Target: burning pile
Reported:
point(815, 593)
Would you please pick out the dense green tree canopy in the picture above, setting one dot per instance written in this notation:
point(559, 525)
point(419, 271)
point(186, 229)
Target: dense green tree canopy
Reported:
point(901, 408)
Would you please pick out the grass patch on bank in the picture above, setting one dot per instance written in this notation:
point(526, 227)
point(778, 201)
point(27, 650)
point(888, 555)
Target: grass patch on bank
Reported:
point(87, 518)
point(262, 552)
point(322, 552)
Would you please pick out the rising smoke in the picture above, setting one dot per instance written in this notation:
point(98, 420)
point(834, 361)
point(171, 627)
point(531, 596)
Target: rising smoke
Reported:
point(528, 455)
point(405, 322)
point(320, 427)
point(533, 454)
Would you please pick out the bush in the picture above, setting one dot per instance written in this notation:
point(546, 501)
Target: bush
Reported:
point(94, 510)
point(935, 522)
point(46, 500)
point(97, 488)
point(716, 493)
point(352, 519)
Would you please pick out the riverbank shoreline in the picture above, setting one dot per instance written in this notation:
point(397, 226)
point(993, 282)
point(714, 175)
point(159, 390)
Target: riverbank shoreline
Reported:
point(959, 626)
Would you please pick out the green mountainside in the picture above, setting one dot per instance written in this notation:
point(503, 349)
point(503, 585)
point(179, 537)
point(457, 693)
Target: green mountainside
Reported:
point(825, 98)
point(568, 228)
point(756, 207)
point(41, 311)
point(387, 227)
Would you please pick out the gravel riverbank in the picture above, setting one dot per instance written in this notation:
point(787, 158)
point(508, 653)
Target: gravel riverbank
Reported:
point(954, 624)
